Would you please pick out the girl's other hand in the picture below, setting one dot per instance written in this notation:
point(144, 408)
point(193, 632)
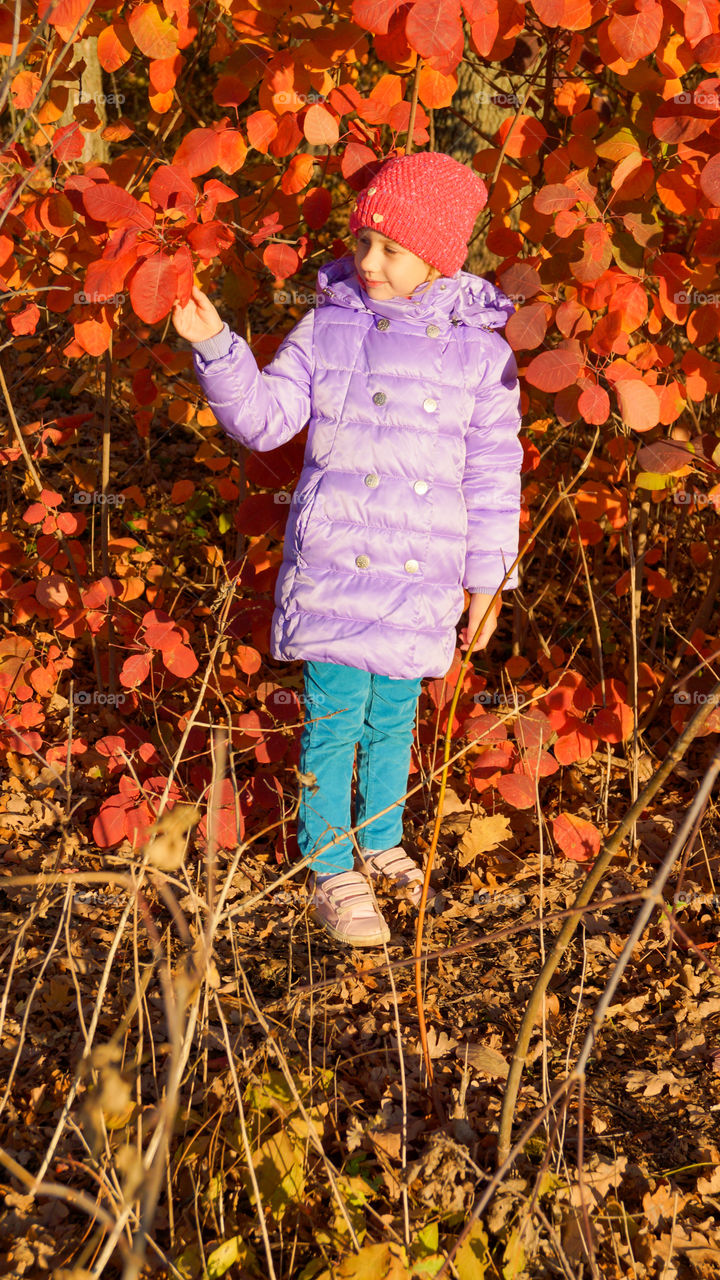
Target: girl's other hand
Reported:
point(478, 605)
point(198, 319)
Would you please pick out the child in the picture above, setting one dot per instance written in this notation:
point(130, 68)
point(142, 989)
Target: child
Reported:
point(409, 492)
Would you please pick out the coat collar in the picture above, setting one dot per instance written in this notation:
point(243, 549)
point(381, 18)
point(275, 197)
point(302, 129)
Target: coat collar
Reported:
point(460, 299)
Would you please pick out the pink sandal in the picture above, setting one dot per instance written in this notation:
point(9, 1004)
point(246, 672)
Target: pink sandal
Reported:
point(395, 864)
point(344, 906)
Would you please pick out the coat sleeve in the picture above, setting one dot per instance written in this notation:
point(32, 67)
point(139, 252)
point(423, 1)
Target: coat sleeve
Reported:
point(491, 480)
point(261, 409)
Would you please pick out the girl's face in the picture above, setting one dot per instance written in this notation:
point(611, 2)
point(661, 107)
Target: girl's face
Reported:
point(386, 270)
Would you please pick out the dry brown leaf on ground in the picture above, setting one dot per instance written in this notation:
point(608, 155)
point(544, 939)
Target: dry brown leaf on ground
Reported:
point(653, 1082)
point(482, 835)
point(483, 1058)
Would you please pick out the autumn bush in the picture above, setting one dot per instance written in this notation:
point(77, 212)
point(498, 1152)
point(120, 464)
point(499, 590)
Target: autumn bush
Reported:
point(139, 548)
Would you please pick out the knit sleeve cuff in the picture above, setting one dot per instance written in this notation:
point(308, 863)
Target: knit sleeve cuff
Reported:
point(482, 591)
point(215, 347)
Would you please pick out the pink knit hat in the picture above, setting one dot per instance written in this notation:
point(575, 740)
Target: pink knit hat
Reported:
point(427, 202)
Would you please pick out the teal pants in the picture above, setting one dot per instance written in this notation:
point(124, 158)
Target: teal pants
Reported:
point(345, 708)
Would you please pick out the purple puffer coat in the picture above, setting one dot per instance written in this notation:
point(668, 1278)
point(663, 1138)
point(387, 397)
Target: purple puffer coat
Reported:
point(410, 487)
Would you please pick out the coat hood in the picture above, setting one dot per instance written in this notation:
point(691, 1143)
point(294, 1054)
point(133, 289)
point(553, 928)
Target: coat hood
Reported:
point(463, 298)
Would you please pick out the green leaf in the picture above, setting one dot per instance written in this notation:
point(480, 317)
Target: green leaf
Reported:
point(224, 522)
point(514, 1256)
point(427, 1267)
point(427, 1239)
point(226, 1254)
point(280, 1175)
point(650, 480)
point(473, 1259)
point(189, 1263)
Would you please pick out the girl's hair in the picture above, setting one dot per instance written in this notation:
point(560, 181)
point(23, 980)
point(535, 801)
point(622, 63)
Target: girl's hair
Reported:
point(433, 274)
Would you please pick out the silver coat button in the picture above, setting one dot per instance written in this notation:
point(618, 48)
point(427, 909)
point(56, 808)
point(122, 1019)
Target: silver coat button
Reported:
point(362, 562)
point(429, 405)
point(411, 566)
point(372, 480)
point(371, 191)
point(432, 331)
point(379, 397)
point(421, 486)
point(383, 323)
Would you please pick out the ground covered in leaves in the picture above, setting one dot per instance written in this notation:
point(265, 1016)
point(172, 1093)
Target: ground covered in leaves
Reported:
point(309, 1057)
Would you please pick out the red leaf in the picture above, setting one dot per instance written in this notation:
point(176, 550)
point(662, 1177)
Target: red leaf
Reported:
point(68, 142)
point(171, 187)
point(52, 591)
point(710, 180)
point(553, 370)
point(107, 203)
point(162, 635)
point(209, 239)
point(594, 405)
point(109, 826)
point(198, 151)
point(25, 321)
point(316, 207)
point(527, 328)
point(579, 840)
point(134, 670)
point(358, 165)
point(374, 15)
point(35, 513)
point(230, 91)
point(153, 288)
point(281, 259)
point(180, 661)
point(232, 150)
point(578, 744)
point(614, 723)
point(536, 764)
point(517, 790)
point(555, 196)
point(435, 31)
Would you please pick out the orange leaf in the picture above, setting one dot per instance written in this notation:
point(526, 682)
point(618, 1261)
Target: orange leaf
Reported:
point(24, 89)
point(635, 34)
point(298, 174)
point(154, 35)
point(182, 490)
point(262, 126)
point(639, 404)
point(435, 89)
point(579, 840)
point(320, 126)
point(114, 46)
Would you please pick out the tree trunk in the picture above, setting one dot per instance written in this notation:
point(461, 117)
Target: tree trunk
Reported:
point(473, 100)
point(88, 89)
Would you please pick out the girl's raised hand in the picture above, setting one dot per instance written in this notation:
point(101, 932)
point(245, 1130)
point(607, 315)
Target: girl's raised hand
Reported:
point(198, 319)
